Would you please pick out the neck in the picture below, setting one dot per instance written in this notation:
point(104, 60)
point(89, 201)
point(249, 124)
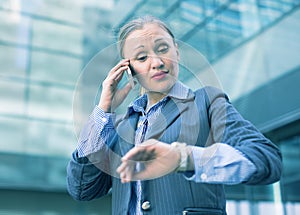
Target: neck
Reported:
point(154, 97)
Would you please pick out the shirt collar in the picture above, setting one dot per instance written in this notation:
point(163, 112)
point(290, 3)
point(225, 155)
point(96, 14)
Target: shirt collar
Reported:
point(178, 91)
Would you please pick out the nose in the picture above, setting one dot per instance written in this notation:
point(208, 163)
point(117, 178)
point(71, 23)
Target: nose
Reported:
point(156, 62)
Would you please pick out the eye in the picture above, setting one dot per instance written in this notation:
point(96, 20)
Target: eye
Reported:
point(142, 57)
point(163, 48)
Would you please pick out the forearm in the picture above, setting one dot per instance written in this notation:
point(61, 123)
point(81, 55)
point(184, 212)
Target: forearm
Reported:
point(219, 163)
point(239, 133)
point(97, 133)
point(87, 177)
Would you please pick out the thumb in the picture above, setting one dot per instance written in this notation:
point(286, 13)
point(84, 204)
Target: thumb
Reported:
point(120, 96)
point(122, 93)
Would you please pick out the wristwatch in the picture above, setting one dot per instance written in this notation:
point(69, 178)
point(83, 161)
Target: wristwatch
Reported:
point(182, 147)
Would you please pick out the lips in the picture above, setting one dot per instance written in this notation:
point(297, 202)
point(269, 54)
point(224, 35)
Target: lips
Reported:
point(160, 75)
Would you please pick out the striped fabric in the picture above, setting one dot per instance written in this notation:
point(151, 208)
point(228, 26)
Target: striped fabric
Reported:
point(145, 121)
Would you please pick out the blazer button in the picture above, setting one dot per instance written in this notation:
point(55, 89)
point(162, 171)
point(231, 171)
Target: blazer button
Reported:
point(146, 205)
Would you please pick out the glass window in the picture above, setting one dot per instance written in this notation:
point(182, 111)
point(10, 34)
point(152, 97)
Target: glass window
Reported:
point(50, 102)
point(14, 27)
point(50, 138)
point(57, 36)
point(56, 68)
point(12, 96)
point(14, 61)
point(13, 133)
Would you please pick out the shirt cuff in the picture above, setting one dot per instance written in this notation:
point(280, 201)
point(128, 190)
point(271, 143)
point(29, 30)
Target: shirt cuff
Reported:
point(95, 132)
point(220, 163)
point(103, 118)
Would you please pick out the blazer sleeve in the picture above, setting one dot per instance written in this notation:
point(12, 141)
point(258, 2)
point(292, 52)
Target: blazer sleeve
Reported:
point(228, 126)
point(89, 176)
point(85, 180)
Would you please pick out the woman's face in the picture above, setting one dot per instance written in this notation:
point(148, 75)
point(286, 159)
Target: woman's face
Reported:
point(153, 56)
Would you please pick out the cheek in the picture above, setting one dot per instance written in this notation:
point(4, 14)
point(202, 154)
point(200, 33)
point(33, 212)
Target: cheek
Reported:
point(140, 69)
point(140, 72)
point(173, 66)
point(141, 77)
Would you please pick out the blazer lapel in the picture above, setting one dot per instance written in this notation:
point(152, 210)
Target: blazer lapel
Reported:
point(172, 110)
point(126, 131)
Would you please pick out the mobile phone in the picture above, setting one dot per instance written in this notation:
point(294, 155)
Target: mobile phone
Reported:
point(130, 74)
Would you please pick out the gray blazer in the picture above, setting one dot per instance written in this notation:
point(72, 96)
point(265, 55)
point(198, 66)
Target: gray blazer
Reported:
point(203, 118)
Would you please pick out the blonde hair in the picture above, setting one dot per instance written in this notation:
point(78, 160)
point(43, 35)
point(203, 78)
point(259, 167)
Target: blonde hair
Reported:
point(136, 24)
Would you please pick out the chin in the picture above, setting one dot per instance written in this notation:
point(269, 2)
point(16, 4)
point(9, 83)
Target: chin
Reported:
point(163, 88)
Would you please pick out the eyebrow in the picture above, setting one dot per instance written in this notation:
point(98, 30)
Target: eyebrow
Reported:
point(157, 40)
point(140, 46)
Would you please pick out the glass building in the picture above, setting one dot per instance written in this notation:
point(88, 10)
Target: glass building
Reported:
point(50, 78)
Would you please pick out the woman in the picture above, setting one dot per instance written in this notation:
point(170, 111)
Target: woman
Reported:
point(175, 148)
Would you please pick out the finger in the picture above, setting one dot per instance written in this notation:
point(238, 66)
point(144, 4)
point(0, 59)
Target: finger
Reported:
point(126, 171)
point(117, 74)
point(126, 166)
point(122, 175)
point(120, 72)
point(122, 167)
point(113, 79)
point(130, 171)
point(122, 63)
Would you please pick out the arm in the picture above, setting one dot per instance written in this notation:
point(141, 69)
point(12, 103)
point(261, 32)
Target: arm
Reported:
point(239, 153)
point(85, 181)
point(230, 128)
point(89, 171)
point(97, 133)
point(88, 178)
